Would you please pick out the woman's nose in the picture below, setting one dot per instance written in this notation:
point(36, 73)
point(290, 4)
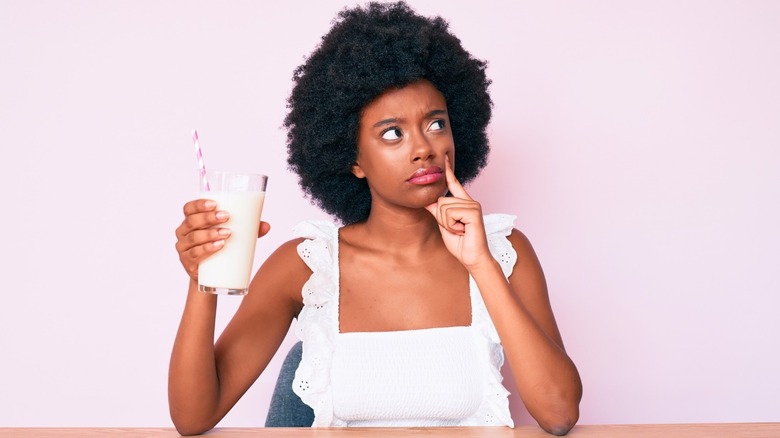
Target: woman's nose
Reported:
point(421, 148)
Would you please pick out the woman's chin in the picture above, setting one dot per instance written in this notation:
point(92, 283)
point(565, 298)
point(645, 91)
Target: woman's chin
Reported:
point(432, 195)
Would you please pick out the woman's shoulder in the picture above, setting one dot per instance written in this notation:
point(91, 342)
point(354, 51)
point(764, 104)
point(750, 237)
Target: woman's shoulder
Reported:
point(519, 241)
point(284, 270)
point(506, 238)
point(527, 262)
point(288, 251)
point(292, 252)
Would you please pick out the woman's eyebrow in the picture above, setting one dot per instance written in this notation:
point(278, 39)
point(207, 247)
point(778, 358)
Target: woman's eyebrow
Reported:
point(432, 113)
point(386, 122)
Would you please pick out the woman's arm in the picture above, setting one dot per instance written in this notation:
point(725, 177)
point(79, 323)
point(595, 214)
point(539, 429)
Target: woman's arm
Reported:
point(546, 378)
point(205, 380)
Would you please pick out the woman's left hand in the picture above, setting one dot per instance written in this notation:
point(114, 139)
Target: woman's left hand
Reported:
point(460, 223)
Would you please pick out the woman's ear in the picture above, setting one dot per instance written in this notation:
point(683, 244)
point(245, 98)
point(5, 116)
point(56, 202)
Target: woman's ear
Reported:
point(358, 171)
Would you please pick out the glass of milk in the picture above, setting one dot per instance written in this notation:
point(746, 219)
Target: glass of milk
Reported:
point(228, 270)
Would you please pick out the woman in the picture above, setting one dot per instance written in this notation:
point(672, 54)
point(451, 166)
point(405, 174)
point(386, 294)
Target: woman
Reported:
point(405, 311)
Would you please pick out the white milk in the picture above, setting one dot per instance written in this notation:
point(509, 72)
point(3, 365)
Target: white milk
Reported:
point(231, 267)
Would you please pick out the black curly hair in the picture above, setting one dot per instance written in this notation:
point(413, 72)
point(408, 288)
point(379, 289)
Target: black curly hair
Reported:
point(368, 51)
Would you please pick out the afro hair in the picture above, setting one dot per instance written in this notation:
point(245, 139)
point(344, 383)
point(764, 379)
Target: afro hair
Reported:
point(368, 51)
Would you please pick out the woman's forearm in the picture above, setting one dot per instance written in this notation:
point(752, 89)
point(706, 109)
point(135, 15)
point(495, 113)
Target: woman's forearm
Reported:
point(546, 378)
point(193, 383)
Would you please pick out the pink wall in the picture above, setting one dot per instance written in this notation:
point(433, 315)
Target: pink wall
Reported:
point(638, 143)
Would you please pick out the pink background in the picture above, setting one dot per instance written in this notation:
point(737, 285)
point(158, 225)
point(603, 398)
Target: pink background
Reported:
point(637, 142)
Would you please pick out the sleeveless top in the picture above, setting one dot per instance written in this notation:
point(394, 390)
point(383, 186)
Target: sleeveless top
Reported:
point(447, 376)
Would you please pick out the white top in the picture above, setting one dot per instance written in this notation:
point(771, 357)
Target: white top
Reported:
point(448, 376)
point(384, 368)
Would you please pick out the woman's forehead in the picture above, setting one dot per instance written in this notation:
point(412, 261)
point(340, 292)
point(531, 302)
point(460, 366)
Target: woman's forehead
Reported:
point(417, 97)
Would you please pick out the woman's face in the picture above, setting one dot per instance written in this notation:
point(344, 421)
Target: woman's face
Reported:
point(403, 137)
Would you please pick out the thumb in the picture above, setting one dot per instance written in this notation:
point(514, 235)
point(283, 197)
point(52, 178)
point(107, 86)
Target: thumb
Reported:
point(264, 228)
point(433, 208)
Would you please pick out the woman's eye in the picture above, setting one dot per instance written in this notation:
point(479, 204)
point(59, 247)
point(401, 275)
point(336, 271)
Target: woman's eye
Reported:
point(437, 125)
point(392, 134)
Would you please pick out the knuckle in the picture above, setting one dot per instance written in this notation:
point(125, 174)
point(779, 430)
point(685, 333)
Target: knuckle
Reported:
point(189, 238)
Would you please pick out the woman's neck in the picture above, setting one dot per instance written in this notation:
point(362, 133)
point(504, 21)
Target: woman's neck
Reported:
point(393, 231)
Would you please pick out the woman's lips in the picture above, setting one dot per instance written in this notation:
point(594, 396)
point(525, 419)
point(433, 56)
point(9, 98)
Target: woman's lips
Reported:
point(428, 175)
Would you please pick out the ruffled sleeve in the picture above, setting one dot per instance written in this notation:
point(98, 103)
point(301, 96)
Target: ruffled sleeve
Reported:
point(317, 324)
point(495, 405)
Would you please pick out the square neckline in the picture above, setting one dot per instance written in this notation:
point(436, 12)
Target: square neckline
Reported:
point(337, 270)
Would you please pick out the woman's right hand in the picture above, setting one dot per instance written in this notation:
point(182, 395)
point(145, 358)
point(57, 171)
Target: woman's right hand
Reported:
point(199, 235)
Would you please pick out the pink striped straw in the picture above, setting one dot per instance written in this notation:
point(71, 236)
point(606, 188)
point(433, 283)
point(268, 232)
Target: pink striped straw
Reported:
point(199, 157)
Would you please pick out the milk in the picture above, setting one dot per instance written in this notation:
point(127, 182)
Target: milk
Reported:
point(229, 269)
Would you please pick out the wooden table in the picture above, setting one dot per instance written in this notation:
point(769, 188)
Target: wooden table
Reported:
point(709, 430)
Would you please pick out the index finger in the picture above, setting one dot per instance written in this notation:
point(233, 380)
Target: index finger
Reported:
point(453, 185)
point(199, 206)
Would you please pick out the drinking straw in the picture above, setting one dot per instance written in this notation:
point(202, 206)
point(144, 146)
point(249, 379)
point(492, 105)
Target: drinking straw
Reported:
point(199, 157)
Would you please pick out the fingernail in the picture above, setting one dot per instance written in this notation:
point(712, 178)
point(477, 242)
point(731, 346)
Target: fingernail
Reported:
point(218, 243)
point(210, 204)
point(224, 231)
point(222, 214)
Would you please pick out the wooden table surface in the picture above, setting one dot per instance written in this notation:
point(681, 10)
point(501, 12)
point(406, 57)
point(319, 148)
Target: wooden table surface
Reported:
point(708, 430)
